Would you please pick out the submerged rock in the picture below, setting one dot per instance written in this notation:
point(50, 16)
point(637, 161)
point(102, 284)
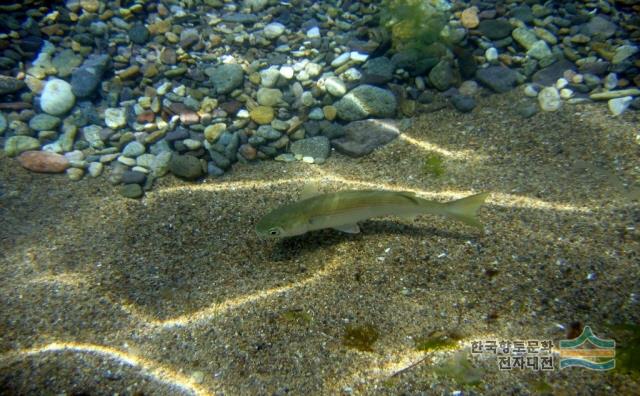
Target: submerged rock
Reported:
point(43, 161)
point(362, 137)
point(366, 101)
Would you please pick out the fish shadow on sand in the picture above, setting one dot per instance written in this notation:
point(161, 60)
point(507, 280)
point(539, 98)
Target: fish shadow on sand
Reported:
point(289, 248)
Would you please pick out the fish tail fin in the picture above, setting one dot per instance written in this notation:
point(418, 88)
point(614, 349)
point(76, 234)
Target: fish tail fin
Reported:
point(466, 209)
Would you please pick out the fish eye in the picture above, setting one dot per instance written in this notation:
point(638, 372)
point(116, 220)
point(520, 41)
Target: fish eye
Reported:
point(274, 231)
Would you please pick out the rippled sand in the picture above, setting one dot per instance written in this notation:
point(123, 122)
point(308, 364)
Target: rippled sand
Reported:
point(175, 294)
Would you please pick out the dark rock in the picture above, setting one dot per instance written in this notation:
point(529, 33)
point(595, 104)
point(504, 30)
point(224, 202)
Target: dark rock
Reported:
point(495, 29)
point(139, 34)
point(178, 134)
point(467, 64)
point(498, 78)
point(378, 70)
point(316, 147)
point(133, 191)
point(523, 13)
point(463, 103)
point(550, 74)
point(227, 77)
point(366, 101)
point(9, 85)
point(133, 177)
point(86, 79)
point(599, 28)
point(441, 76)
point(247, 19)
point(185, 166)
point(362, 137)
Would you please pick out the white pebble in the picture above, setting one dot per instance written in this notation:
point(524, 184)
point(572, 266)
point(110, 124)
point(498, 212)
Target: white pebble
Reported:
point(352, 74)
point(549, 99)
point(491, 54)
point(308, 160)
point(358, 57)
point(617, 106)
point(273, 30)
point(561, 83)
point(531, 90)
point(611, 81)
point(566, 93)
point(242, 113)
point(95, 169)
point(314, 32)
point(341, 59)
point(286, 72)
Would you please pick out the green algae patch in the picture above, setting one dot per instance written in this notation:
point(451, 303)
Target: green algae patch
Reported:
point(295, 316)
point(437, 341)
point(460, 370)
point(360, 337)
point(433, 165)
point(627, 337)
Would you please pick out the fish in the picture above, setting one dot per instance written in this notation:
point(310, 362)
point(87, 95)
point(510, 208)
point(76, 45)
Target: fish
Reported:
point(343, 210)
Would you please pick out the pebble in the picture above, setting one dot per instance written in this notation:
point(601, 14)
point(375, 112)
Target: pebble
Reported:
point(75, 174)
point(43, 161)
point(269, 96)
point(549, 99)
point(618, 106)
point(273, 30)
point(133, 191)
point(133, 149)
point(287, 72)
point(15, 145)
point(615, 94)
point(213, 132)
point(262, 115)
point(463, 103)
point(95, 169)
point(314, 32)
point(133, 177)
point(9, 85)
point(469, 18)
point(57, 97)
point(115, 118)
point(498, 78)
point(44, 122)
point(225, 78)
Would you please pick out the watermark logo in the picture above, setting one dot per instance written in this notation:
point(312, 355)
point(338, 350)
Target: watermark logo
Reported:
point(588, 351)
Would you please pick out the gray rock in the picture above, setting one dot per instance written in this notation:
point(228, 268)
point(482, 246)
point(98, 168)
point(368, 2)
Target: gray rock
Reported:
point(133, 177)
point(247, 19)
point(69, 132)
point(441, 76)
point(273, 30)
point(362, 137)
point(525, 37)
point(160, 164)
point(213, 170)
point(335, 86)
point(366, 101)
point(463, 103)
point(185, 166)
point(599, 28)
point(378, 70)
point(133, 149)
point(539, 50)
point(3, 123)
point(91, 134)
point(269, 96)
point(9, 85)
point(495, 29)
point(550, 74)
point(44, 122)
point(498, 78)
point(268, 132)
point(316, 147)
point(65, 62)
point(523, 13)
point(219, 160)
point(132, 191)
point(139, 34)
point(86, 79)
point(226, 78)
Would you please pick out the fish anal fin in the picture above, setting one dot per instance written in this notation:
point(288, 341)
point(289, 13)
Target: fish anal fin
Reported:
point(310, 189)
point(348, 228)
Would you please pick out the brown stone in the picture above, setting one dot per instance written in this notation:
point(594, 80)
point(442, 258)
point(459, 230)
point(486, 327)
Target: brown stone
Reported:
point(146, 117)
point(248, 151)
point(189, 117)
point(43, 161)
point(469, 18)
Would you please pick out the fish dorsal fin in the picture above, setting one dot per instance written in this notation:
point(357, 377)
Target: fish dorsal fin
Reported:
point(310, 189)
point(348, 228)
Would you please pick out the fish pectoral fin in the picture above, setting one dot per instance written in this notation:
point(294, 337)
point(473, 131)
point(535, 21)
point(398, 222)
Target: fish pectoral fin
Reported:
point(310, 189)
point(348, 228)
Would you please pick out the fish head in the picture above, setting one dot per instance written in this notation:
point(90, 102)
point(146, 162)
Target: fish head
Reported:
point(281, 223)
